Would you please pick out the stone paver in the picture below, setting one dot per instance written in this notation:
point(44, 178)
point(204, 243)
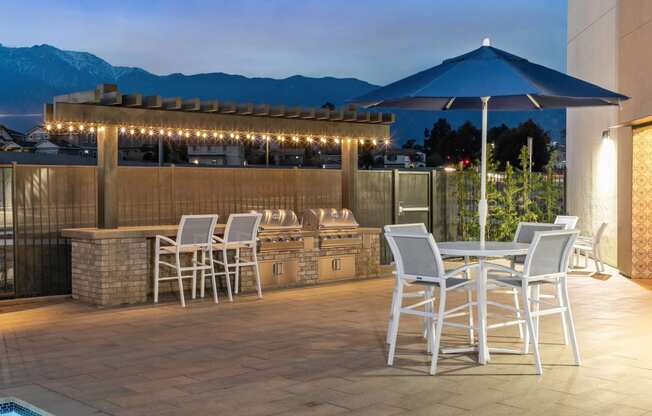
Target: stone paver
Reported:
point(319, 351)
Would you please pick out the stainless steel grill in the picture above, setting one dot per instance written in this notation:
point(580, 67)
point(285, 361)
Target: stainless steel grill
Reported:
point(280, 229)
point(338, 239)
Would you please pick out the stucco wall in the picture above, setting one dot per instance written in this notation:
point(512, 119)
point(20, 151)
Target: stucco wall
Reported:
point(592, 52)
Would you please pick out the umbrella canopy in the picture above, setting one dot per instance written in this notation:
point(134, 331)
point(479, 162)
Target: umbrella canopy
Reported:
point(488, 77)
point(512, 82)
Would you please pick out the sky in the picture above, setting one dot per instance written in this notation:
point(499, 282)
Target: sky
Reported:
point(378, 41)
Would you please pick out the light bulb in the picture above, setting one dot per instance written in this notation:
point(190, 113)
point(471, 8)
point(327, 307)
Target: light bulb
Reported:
point(374, 141)
point(70, 128)
point(123, 130)
point(180, 132)
point(221, 135)
point(215, 134)
point(361, 141)
point(131, 131)
point(92, 129)
point(59, 126)
point(161, 132)
point(81, 127)
point(142, 131)
point(48, 127)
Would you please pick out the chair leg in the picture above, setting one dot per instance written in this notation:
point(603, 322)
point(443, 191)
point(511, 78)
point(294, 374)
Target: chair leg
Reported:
point(183, 300)
point(560, 300)
point(531, 330)
point(391, 312)
point(526, 329)
point(568, 315)
point(236, 281)
point(536, 291)
point(396, 318)
point(469, 300)
point(213, 282)
point(521, 326)
point(428, 321)
point(258, 287)
point(203, 275)
point(194, 275)
point(438, 329)
point(226, 274)
point(157, 272)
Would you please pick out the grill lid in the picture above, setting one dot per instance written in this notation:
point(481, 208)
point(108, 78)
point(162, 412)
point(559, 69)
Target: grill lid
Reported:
point(328, 218)
point(278, 219)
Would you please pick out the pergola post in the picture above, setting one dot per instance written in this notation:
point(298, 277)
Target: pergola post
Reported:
point(107, 177)
point(349, 150)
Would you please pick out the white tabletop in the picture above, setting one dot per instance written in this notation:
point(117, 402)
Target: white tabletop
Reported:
point(490, 248)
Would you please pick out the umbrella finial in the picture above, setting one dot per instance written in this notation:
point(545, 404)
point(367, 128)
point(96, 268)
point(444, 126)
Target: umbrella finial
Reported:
point(486, 42)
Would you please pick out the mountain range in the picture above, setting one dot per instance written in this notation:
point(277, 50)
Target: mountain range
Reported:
point(31, 76)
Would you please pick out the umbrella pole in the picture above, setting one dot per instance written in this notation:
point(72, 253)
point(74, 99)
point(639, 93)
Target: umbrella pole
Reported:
point(482, 205)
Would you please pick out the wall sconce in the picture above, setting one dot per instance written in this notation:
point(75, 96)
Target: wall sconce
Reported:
point(606, 134)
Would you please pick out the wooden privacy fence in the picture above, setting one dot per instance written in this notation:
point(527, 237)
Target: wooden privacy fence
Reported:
point(38, 201)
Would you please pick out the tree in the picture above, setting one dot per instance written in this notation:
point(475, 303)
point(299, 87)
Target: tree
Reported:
point(509, 142)
point(328, 105)
point(441, 132)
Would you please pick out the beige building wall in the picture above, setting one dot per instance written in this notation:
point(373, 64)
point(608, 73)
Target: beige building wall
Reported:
point(592, 189)
point(609, 43)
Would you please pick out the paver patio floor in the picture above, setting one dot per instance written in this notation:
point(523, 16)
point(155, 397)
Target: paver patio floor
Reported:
point(319, 351)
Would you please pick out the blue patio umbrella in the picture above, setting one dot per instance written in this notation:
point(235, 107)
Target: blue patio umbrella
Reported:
point(483, 78)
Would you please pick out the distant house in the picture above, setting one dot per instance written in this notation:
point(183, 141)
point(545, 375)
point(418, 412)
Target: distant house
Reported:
point(288, 156)
point(9, 139)
point(43, 147)
point(37, 134)
point(404, 158)
point(216, 154)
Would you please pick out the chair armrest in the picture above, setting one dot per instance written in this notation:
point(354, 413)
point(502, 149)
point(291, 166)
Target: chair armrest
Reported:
point(459, 270)
point(170, 241)
point(501, 268)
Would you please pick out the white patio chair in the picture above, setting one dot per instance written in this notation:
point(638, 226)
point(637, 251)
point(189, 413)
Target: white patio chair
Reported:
point(240, 232)
point(420, 229)
point(545, 264)
point(193, 237)
point(525, 232)
point(418, 261)
point(590, 247)
point(569, 221)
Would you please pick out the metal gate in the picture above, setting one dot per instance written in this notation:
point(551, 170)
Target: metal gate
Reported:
point(412, 196)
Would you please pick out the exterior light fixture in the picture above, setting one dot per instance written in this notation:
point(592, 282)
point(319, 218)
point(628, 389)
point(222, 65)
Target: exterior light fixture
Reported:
point(606, 134)
point(123, 130)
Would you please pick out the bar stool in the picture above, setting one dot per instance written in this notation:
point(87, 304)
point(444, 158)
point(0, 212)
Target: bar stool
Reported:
point(240, 233)
point(193, 237)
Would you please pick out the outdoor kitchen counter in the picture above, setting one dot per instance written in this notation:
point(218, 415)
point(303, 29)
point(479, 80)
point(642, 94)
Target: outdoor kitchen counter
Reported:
point(116, 266)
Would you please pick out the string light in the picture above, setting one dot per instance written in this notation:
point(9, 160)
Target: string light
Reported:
point(72, 127)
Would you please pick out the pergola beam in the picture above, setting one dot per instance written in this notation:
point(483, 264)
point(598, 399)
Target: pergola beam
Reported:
point(107, 107)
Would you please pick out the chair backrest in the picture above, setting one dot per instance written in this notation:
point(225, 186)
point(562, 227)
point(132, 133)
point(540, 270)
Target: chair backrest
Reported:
point(598, 234)
point(242, 228)
point(570, 221)
point(415, 255)
point(196, 230)
point(526, 230)
point(549, 252)
point(416, 228)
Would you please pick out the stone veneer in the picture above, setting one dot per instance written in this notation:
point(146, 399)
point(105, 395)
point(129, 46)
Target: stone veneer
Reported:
point(119, 270)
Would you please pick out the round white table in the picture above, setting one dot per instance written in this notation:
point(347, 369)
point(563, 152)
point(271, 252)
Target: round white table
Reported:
point(481, 252)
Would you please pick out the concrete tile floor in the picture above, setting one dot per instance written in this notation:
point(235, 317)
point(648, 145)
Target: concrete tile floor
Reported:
point(319, 351)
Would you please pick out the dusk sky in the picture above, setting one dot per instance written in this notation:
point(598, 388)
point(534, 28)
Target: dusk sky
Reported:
point(375, 40)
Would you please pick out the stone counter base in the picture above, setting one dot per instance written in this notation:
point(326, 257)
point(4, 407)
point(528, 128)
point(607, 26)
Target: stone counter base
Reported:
point(118, 271)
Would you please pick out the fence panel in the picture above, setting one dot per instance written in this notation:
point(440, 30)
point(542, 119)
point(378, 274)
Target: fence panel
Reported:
point(47, 199)
point(375, 203)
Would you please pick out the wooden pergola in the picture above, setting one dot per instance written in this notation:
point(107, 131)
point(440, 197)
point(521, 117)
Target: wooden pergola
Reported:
point(109, 113)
